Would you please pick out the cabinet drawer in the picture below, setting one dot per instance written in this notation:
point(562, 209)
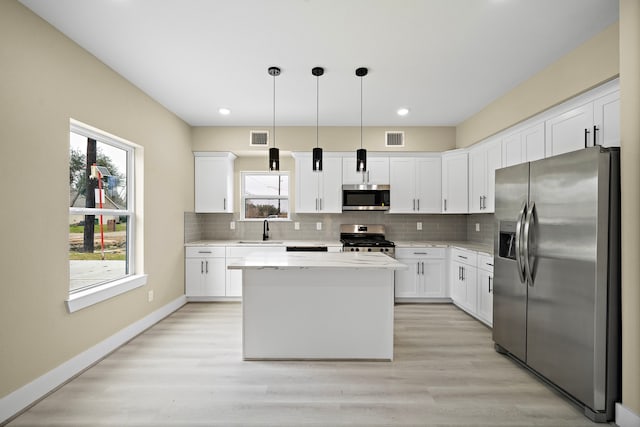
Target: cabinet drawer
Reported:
point(485, 262)
point(465, 257)
point(420, 252)
point(204, 252)
point(243, 251)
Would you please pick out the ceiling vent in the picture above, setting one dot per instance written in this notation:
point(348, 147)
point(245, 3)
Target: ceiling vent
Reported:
point(394, 139)
point(259, 138)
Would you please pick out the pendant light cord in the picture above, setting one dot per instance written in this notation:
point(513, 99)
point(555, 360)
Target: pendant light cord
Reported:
point(360, 112)
point(317, 109)
point(274, 110)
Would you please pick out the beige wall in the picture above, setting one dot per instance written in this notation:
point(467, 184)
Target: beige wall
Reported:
point(303, 138)
point(46, 79)
point(591, 64)
point(630, 159)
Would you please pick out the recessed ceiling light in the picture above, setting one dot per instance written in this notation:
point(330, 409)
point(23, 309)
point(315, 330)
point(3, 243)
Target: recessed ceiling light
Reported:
point(403, 111)
point(224, 111)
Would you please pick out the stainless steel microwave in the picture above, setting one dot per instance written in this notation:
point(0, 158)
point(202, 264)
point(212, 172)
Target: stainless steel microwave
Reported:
point(365, 197)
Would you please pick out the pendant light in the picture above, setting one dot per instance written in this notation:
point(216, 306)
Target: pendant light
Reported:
point(317, 151)
point(361, 154)
point(274, 153)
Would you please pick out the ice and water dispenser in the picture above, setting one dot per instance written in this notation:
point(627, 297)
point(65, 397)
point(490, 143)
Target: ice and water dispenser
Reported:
point(507, 247)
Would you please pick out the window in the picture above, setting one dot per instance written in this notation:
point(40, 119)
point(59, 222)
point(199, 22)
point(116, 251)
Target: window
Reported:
point(101, 212)
point(265, 195)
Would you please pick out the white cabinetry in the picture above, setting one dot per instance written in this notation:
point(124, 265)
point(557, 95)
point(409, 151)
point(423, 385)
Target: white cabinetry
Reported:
point(318, 191)
point(484, 159)
point(377, 171)
point(594, 122)
point(463, 279)
point(235, 254)
point(204, 272)
point(213, 181)
point(415, 184)
point(455, 196)
point(524, 145)
point(426, 276)
point(485, 288)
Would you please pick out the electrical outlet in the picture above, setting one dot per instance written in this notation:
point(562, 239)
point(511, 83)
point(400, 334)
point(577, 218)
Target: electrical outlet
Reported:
point(477, 226)
point(296, 225)
point(318, 226)
point(418, 226)
point(150, 296)
point(232, 225)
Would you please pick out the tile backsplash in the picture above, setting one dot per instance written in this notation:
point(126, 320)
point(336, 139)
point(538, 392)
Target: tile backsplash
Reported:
point(399, 227)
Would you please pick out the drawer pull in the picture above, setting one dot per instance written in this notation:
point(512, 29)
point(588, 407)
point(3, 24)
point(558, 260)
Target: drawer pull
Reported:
point(204, 252)
point(420, 253)
point(463, 257)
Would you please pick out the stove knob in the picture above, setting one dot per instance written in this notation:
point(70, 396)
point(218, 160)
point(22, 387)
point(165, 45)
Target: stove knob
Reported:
point(357, 249)
point(386, 250)
point(369, 249)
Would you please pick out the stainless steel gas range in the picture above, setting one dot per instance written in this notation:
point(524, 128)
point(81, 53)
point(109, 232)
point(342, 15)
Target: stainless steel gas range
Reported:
point(365, 238)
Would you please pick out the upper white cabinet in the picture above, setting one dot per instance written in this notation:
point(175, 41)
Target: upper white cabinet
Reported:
point(596, 122)
point(213, 181)
point(318, 191)
point(377, 171)
point(524, 145)
point(455, 196)
point(484, 159)
point(416, 184)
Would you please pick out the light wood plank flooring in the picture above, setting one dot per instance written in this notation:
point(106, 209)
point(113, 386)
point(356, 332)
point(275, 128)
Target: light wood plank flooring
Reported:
point(188, 371)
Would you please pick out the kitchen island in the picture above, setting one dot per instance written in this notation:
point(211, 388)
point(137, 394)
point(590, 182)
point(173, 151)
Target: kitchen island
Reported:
point(309, 305)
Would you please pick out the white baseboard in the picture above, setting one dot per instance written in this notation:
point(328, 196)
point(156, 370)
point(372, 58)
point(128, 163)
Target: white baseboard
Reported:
point(625, 417)
point(26, 395)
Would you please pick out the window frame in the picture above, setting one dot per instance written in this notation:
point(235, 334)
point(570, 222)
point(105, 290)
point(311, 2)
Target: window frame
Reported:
point(244, 196)
point(92, 294)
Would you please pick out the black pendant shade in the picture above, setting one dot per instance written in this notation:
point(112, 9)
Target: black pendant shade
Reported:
point(317, 159)
point(274, 153)
point(361, 153)
point(317, 152)
point(274, 159)
point(361, 160)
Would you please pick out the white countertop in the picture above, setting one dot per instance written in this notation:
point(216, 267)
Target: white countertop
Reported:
point(297, 260)
point(474, 246)
point(274, 242)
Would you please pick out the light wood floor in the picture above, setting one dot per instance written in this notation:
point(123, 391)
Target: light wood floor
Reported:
point(188, 371)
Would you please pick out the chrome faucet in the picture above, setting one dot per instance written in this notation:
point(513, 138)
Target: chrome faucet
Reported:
point(265, 230)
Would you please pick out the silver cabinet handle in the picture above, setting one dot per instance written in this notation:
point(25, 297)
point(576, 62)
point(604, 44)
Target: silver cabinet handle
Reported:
point(423, 268)
point(480, 202)
point(489, 284)
point(207, 267)
point(417, 268)
point(316, 203)
point(201, 267)
point(420, 253)
point(462, 273)
point(204, 252)
point(224, 204)
point(459, 273)
point(462, 256)
point(418, 205)
point(414, 204)
point(320, 203)
point(445, 205)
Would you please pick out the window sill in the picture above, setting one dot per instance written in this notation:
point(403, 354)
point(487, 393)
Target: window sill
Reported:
point(92, 296)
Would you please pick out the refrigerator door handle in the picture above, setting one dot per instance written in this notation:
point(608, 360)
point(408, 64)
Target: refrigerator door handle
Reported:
point(525, 237)
point(519, 245)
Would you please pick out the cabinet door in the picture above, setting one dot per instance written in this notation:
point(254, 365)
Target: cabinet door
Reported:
point(485, 296)
point(512, 149)
point(458, 290)
point(533, 143)
point(469, 280)
point(330, 192)
point(455, 198)
point(494, 161)
point(378, 170)
point(428, 189)
point(233, 287)
point(194, 276)
point(606, 112)
point(214, 277)
point(306, 186)
point(568, 131)
point(407, 281)
point(213, 187)
point(477, 178)
point(433, 278)
point(349, 174)
point(402, 177)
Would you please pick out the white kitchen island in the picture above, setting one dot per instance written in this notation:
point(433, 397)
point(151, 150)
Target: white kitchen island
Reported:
point(317, 305)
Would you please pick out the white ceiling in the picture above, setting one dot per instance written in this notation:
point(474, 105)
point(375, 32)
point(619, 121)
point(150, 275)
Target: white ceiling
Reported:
point(443, 59)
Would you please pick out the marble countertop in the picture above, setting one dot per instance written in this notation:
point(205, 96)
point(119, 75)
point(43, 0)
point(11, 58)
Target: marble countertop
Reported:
point(474, 246)
point(274, 242)
point(298, 260)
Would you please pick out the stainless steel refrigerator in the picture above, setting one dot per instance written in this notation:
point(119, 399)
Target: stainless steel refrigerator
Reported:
point(557, 273)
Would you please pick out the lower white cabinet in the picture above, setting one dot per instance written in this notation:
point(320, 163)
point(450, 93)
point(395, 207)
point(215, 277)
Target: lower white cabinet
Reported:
point(426, 276)
point(485, 289)
point(463, 279)
point(205, 271)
